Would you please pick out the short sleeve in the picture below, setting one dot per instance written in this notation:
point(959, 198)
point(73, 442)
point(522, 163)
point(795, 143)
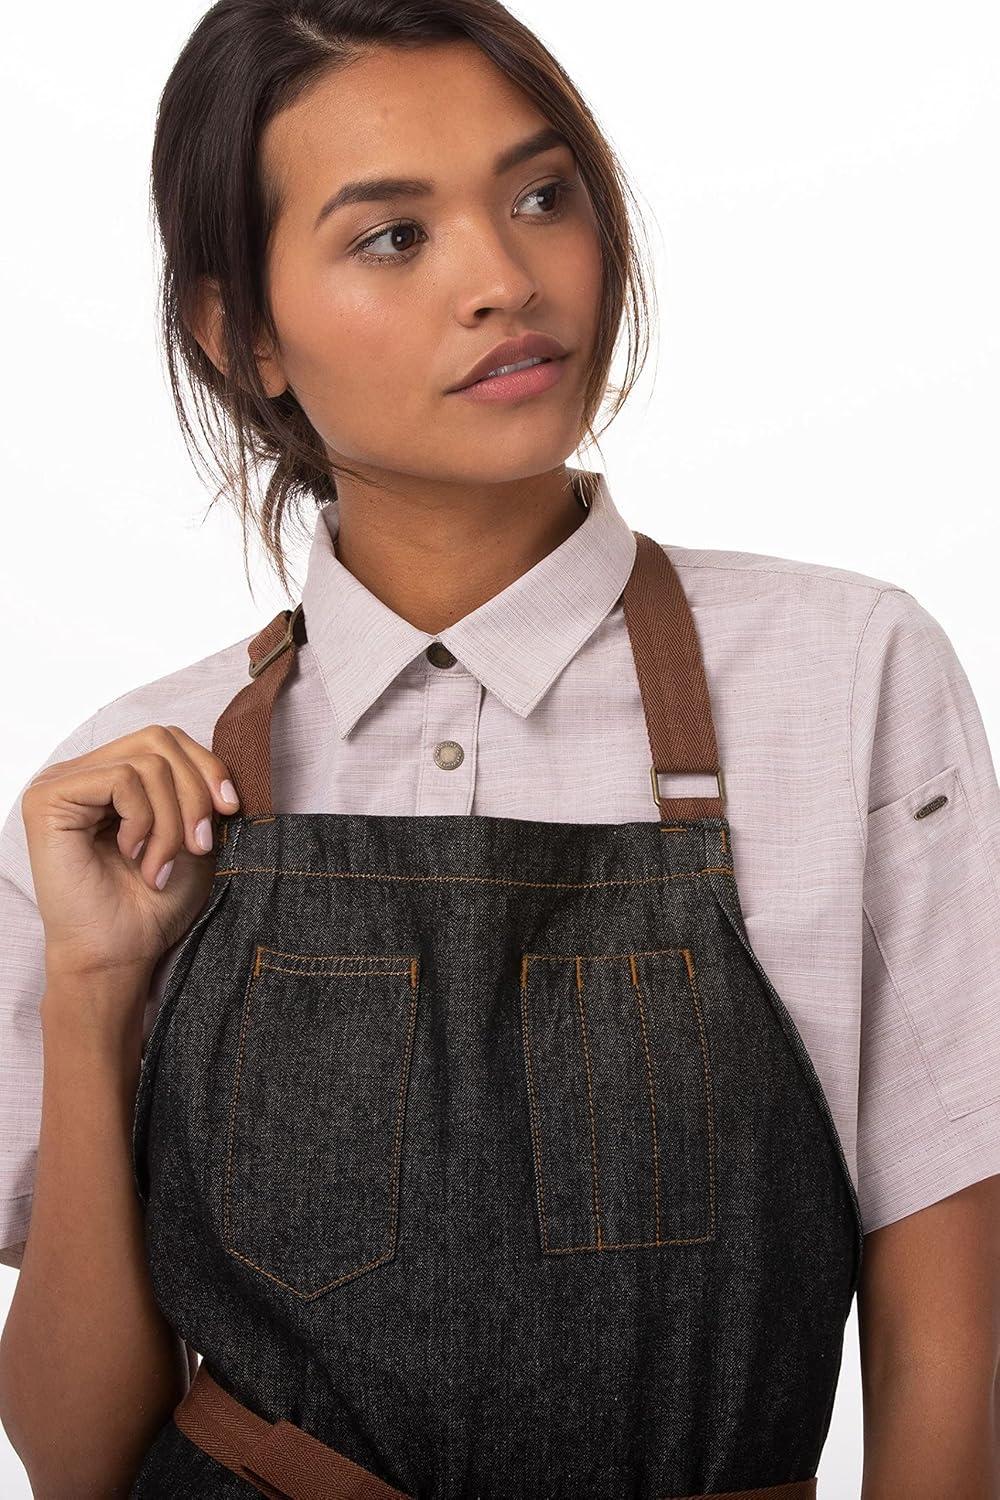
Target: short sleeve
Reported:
point(929, 803)
point(22, 978)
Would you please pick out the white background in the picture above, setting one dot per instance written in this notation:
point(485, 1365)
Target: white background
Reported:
point(821, 188)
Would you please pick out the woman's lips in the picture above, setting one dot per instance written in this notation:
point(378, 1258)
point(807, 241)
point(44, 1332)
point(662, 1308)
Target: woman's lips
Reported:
point(516, 385)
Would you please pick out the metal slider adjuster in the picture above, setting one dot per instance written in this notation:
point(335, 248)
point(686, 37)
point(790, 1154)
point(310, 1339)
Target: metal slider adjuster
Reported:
point(653, 773)
point(286, 640)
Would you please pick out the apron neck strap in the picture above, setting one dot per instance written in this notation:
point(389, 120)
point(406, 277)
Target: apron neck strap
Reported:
point(242, 736)
point(668, 664)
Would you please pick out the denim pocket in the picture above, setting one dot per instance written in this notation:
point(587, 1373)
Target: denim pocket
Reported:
point(619, 1087)
point(316, 1111)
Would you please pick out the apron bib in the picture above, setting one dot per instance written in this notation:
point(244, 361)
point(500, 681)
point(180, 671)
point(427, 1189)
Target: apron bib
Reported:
point(480, 1158)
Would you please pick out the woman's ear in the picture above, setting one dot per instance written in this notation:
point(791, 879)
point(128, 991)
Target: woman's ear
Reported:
point(205, 321)
point(206, 325)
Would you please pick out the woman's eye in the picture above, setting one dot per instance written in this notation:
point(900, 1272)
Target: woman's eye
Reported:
point(397, 254)
point(401, 226)
point(562, 189)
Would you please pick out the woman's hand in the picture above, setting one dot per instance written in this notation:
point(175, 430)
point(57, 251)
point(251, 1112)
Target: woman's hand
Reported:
point(117, 843)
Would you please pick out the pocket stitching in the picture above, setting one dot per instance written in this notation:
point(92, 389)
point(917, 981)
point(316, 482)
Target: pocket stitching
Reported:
point(394, 1181)
point(549, 1249)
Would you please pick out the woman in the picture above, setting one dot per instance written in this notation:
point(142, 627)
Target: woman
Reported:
point(477, 1152)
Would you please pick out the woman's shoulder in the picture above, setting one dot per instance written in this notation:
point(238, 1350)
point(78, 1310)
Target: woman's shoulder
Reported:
point(861, 631)
point(803, 605)
point(748, 569)
point(191, 696)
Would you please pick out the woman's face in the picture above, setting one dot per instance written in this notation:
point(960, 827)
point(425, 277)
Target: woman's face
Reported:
point(371, 336)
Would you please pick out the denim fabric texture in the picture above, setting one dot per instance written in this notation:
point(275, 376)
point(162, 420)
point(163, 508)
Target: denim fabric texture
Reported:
point(484, 1150)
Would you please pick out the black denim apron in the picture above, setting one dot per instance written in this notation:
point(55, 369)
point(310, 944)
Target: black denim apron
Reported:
point(483, 1151)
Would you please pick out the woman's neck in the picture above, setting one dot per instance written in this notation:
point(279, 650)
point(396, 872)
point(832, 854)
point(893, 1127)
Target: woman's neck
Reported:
point(433, 554)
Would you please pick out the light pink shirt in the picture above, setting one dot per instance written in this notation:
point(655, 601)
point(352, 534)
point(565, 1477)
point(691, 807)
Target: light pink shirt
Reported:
point(840, 708)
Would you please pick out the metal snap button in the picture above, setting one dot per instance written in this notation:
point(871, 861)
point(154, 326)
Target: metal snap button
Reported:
point(449, 754)
point(439, 655)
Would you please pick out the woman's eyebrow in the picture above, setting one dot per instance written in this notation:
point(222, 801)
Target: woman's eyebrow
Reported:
point(384, 189)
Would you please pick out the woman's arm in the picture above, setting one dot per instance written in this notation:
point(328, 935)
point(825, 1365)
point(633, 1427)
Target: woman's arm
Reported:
point(89, 1368)
point(929, 1327)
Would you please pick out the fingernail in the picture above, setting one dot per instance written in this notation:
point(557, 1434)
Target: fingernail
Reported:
point(228, 792)
point(203, 834)
point(164, 875)
point(135, 851)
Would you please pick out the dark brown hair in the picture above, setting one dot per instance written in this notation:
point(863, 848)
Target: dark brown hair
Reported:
point(244, 62)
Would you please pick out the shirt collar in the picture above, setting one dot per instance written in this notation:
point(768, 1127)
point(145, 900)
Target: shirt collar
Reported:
point(516, 643)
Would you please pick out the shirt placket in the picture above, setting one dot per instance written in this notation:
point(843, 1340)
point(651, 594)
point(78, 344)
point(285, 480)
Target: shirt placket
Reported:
point(452, 700)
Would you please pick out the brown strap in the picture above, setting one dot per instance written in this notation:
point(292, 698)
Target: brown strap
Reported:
point(287, 1463)
point(671, 674)
point(242, 737)
point(279, 1459)
point(668, 664)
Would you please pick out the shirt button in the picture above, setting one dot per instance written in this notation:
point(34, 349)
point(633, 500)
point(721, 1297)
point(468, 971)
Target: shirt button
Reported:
point(448, 755)
point(439, 654)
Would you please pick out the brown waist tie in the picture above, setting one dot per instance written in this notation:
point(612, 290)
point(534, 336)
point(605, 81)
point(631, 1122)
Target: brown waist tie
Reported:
point(287, 1463)
point(278, 1459)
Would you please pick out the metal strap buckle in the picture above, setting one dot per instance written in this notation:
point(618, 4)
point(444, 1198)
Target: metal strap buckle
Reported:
point(653, 773)
point(286, 640)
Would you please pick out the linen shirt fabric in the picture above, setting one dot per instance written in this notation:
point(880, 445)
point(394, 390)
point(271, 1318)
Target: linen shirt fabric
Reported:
point(840, 708)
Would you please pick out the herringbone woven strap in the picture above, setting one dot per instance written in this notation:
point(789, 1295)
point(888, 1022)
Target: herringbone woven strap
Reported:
point(279, 1459)
point(284, 1462)
point(668, 662)
point(242, 736)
